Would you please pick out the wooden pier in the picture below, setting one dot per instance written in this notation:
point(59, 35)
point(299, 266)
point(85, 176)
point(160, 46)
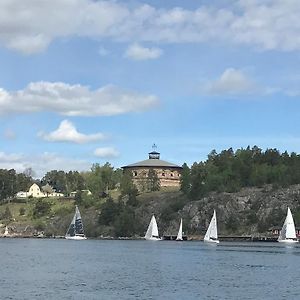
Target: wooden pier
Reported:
point(249, 238)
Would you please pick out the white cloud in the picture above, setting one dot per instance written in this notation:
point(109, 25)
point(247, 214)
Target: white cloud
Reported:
point(29, 26)
point(106, 152)
point(42, 163)
point(74, 100)
point(232, 81)
point(67, 132)
point(138, 52)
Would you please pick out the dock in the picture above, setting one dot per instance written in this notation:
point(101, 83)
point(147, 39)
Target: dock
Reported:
point(249, 238)
point(173, 237)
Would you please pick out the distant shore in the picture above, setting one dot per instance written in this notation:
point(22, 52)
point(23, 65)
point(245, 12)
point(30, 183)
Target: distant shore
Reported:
point(188, 239)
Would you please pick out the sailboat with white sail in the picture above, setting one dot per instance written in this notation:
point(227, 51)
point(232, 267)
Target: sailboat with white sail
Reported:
point(179, 235)
point(288, 232)
point(5, 234)
point(211, 235)
point(152, 231)
point(75, 230)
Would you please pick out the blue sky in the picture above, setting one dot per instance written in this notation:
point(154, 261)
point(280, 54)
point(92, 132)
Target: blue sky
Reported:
point(87, 81)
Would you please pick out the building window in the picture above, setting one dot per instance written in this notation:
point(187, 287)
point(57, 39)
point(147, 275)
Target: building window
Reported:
point(135, 173)
point(172, 175)
point(163, 174)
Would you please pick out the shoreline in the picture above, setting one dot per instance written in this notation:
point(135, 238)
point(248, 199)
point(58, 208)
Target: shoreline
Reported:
point(191, 239)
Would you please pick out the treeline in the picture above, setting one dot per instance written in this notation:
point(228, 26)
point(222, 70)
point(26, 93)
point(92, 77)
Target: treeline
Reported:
point(229, 171)
point(12, 182)
point(99, 180)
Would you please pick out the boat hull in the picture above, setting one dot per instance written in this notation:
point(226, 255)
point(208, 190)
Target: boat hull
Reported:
point(212, 241)
point(153, 239)
point(76, 238)
point(288, 241)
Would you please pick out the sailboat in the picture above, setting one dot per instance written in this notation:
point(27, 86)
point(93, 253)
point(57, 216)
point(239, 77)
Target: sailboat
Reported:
point(75, 231)
point(5, 231)
point(179, 235)
point(212, 231)
point(152, 231)
point(288, 232)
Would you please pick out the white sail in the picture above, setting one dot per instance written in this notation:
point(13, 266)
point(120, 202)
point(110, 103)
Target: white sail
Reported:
point(212, 231)
point(75, 230)
point(152, 231)
point(288, 232)
point(6, 231)
point(179, 235)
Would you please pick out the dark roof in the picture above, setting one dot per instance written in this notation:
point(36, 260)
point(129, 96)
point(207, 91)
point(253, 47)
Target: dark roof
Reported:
point(153, 163)
point(154, 152)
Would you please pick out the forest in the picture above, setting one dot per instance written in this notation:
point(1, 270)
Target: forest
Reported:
point(119, 208)
point(229, 171)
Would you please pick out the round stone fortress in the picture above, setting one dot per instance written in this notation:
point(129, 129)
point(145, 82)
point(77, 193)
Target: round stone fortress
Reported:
point(167, 173)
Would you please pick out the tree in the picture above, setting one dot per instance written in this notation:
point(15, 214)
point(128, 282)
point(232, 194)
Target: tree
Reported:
point(153, 181)
point(125, 223)
point(126, 184)
point(22, 211)
point(41, 208)
point(107, 175)
point(100, 179)
point(47, 189)
point(57, 179)
point(8, 183)
point(24, 182)
point(185, 179)
point(7, 214)
point(109, 211)
point(74, 182)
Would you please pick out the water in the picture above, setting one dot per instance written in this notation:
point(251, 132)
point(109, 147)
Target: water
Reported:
point(93, 269)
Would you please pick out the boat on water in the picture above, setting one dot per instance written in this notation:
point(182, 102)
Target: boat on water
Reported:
point(6, 234)
point(152, 231)
point(288, 232)
point(75, 230)
point(211, 235)
point(179, 235)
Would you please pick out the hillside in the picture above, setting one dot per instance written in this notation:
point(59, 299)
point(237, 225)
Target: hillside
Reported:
point(249, 211)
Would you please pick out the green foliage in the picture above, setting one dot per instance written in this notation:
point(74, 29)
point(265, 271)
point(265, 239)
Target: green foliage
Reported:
point(39, 225)
point(232, 223)
point(23, 182)
point(185, 179)
point(8, 183)
point(63, 182)
point(229, 171)
point(109, 211)
point(7, 214)
point(153, 181)
point(171, 208)
point(47, 189)
point(127, 186)
point(63, 210)
point(101, 179)
point(78, 197)
point(41, 208)
point(22, 211)
point(125, 223)
point(251, 218)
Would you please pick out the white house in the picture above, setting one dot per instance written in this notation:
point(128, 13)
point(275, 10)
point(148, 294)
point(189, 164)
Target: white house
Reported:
point(36, 192)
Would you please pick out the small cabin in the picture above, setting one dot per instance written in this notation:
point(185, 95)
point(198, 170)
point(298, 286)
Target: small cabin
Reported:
point(275, 230)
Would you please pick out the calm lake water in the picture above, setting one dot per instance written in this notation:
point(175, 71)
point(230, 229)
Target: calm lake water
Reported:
point(93, 269)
